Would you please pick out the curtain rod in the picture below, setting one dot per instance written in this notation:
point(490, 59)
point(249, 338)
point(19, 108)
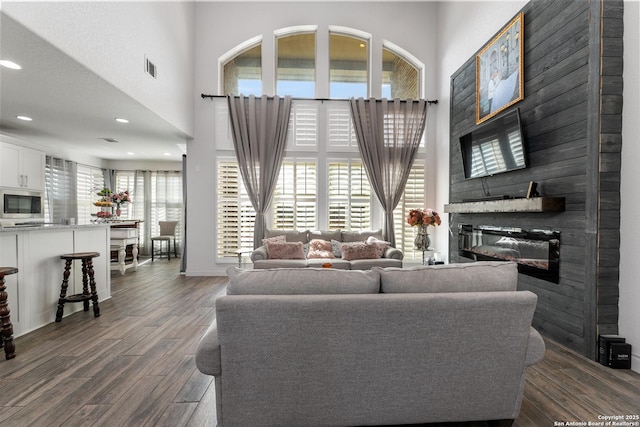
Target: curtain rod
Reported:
point(430, 102)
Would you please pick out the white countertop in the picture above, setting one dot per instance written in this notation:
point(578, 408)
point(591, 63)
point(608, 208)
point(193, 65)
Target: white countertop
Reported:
point(32, 227)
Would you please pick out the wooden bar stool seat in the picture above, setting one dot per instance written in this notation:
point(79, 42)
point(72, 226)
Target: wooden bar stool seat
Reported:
point(6, 328)
point(89, 292)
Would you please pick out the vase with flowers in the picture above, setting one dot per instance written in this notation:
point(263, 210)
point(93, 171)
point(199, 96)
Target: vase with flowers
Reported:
point(120, 199)
point(423, 218)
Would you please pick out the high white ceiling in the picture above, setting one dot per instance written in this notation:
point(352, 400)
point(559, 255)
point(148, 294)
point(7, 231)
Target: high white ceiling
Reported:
point(72, 107)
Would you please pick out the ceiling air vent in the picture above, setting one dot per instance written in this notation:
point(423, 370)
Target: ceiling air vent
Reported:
point(150, 68)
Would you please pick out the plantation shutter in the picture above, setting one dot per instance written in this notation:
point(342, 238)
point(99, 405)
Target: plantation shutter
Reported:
point(235, 212)
point(89, 181)
point(412, 198)
point(349, 196)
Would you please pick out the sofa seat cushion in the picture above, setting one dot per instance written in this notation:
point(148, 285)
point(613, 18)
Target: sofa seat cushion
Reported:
point(367, 264)
point(336, 263)
point(280, 263)
point(466, 277)
point(310, 281)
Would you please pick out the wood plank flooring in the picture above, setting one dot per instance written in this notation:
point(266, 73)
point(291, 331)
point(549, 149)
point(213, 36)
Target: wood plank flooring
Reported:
point(134, 365)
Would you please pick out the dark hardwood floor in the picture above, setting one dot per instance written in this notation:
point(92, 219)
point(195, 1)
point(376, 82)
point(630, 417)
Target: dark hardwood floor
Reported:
point(134, 365)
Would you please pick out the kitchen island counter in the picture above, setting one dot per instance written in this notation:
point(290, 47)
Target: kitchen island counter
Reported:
point(35, 251)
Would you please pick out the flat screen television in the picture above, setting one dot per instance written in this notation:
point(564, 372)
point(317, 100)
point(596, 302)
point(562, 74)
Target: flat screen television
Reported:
point(494, 147)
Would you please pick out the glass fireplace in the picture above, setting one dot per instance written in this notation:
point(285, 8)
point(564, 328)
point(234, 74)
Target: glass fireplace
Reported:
point(537, 252)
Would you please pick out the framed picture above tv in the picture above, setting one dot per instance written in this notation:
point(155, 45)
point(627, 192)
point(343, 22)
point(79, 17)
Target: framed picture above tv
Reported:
point(499, 70)
point(496, 146)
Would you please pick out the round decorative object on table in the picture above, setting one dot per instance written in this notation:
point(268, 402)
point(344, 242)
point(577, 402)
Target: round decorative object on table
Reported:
point(422, 241)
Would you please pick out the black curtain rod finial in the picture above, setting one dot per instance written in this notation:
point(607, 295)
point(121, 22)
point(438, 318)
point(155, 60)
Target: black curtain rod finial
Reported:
point(432, 102)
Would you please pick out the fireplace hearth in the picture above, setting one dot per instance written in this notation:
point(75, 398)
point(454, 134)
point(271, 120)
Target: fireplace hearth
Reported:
point(537, 252)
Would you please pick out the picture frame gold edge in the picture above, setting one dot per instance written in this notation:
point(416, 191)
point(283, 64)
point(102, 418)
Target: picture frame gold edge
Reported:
point(518, 17)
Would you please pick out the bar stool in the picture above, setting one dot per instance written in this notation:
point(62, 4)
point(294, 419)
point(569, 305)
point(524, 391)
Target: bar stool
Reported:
point(88, 283)
point(6, 331)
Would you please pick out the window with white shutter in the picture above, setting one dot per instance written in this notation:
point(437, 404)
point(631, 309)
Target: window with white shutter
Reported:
point(236, 216)
point(349, 196)
point(89, 181)
point(303, 126)
point(125, 181)
point(412, 198)
point(294, 200)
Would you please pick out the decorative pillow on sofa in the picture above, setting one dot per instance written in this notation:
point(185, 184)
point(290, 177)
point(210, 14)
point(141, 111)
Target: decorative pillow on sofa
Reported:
point(381, 245)
point(359, 250)
point(285, 250)
point(465, 277)
point(335, 248)
point(320, 249)
point(301, 281)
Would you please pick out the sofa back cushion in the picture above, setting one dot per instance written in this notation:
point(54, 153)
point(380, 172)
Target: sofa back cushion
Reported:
point(325, 235)
point(360, 236)
point(290, 235)
point(465, 277)
point(301, 281)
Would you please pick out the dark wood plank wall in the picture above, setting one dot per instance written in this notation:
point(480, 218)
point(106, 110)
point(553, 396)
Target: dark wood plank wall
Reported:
point(571, 118)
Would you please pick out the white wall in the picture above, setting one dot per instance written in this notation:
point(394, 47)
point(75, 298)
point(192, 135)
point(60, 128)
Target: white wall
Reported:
point(630, 195)
point(112, 39)
point(408, 25)
point(463, 28)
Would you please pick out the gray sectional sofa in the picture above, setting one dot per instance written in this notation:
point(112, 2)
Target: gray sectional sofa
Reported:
point(390, 257)
point(326, 347)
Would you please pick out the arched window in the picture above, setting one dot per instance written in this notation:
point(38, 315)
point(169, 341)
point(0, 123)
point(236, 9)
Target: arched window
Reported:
point(400, 78)
point(348, 66)
point(242, 73)
point(322, 183)
point(296, 65)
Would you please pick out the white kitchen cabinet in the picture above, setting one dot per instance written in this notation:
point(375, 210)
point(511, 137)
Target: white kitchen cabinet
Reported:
point(21, 167)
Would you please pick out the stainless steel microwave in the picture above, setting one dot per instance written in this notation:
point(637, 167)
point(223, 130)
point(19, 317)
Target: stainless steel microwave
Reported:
point(17, 205)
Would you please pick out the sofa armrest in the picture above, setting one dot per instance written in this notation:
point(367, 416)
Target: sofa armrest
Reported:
point(259, 254)
point(535, 349)
point(208, 353)
point(393, 253)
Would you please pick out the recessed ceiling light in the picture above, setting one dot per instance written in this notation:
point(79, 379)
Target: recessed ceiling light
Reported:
point(25, 118)
point(131, 154)
point(167, 154)
point(119, 120)
point(9, 64)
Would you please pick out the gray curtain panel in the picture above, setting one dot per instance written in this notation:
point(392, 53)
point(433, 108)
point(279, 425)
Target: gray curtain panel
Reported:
point(259, 128)
point(388, 134)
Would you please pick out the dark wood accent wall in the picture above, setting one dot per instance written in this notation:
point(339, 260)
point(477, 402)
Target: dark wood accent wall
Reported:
point(572, 123)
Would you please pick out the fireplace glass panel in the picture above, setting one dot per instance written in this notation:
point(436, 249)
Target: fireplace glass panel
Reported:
point(537, 252)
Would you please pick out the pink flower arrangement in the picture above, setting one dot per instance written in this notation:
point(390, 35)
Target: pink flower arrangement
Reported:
point(418, 217)
point(120, 198)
